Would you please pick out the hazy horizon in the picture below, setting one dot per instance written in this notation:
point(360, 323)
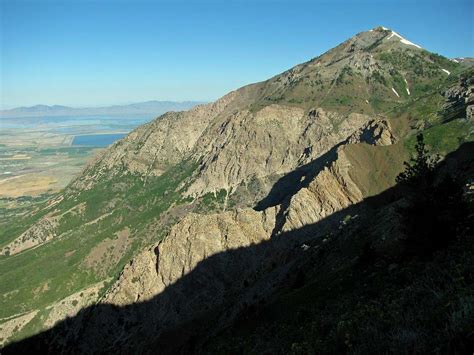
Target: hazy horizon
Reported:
point(102, 106)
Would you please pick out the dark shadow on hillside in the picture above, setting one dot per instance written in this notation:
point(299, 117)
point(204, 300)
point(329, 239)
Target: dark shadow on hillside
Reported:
point(290, 183)
point(204, 301)
point(297, 179)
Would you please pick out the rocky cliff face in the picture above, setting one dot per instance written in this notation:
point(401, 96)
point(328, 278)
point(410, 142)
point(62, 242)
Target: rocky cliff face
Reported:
point(207, 260)
point(193, 240)
point(273, 141)
point(270, 128)
point(460, 99)
point(334, 188)
point(152, 148)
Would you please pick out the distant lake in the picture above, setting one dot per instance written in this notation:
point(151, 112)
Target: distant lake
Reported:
point(97, 140)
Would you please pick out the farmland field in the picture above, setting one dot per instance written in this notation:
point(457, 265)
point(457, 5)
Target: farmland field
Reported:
point(40, 155)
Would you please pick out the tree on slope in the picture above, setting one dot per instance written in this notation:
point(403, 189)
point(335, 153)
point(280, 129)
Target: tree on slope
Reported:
point(435, 207)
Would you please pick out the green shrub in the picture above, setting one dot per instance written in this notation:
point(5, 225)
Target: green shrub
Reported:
point(435, 210)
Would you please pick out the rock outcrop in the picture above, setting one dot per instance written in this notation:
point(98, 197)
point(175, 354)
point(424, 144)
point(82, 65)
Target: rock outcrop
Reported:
point(39, 233)
point(270, 128)
point(224, 261)
point(460, 100)
point(273, 141)
point(191, 241)
point(198, 237)
point(152, 148)
point(331, 190)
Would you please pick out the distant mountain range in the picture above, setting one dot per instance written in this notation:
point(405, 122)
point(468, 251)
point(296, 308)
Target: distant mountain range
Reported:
point(148, 107)
point(464, 61)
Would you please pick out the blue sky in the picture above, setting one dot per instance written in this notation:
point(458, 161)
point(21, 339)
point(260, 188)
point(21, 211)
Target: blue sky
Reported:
point(82, 52)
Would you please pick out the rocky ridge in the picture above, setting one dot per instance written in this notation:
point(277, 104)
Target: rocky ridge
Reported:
point(198, 238)
point(268, 128)
point(460, 99)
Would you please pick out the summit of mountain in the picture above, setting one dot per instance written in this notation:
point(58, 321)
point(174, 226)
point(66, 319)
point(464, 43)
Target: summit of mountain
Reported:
point(307, 108)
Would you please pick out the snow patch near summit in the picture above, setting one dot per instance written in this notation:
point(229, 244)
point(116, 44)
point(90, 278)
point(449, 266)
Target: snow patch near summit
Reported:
point(446, 71)
point(395, 92)
point(403, 40)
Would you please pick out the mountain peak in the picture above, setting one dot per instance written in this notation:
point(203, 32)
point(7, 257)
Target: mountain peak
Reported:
point(380, 28)
point(377, 65)
point(403, 40)
point(377, 39)
point(394, 36)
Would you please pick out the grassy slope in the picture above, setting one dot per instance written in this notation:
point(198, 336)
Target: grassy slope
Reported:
point(60, 263)
point(447, 137)
point(336, 86)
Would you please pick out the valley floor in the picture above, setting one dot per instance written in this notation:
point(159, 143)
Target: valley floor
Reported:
point(39, 156)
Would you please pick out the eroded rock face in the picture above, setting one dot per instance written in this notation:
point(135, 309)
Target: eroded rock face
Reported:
point(192, 240)
point(460, 99)
point(152, 148)
point(203, 255)
point(198, 237)
point(200, 266)
point(275, 140)
point(39, 233)
point(223, 261)
point(376, 132)
point(331, 190)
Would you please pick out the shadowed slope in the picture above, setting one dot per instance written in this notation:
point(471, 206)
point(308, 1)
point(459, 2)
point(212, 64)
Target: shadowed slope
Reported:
point(272, 267)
